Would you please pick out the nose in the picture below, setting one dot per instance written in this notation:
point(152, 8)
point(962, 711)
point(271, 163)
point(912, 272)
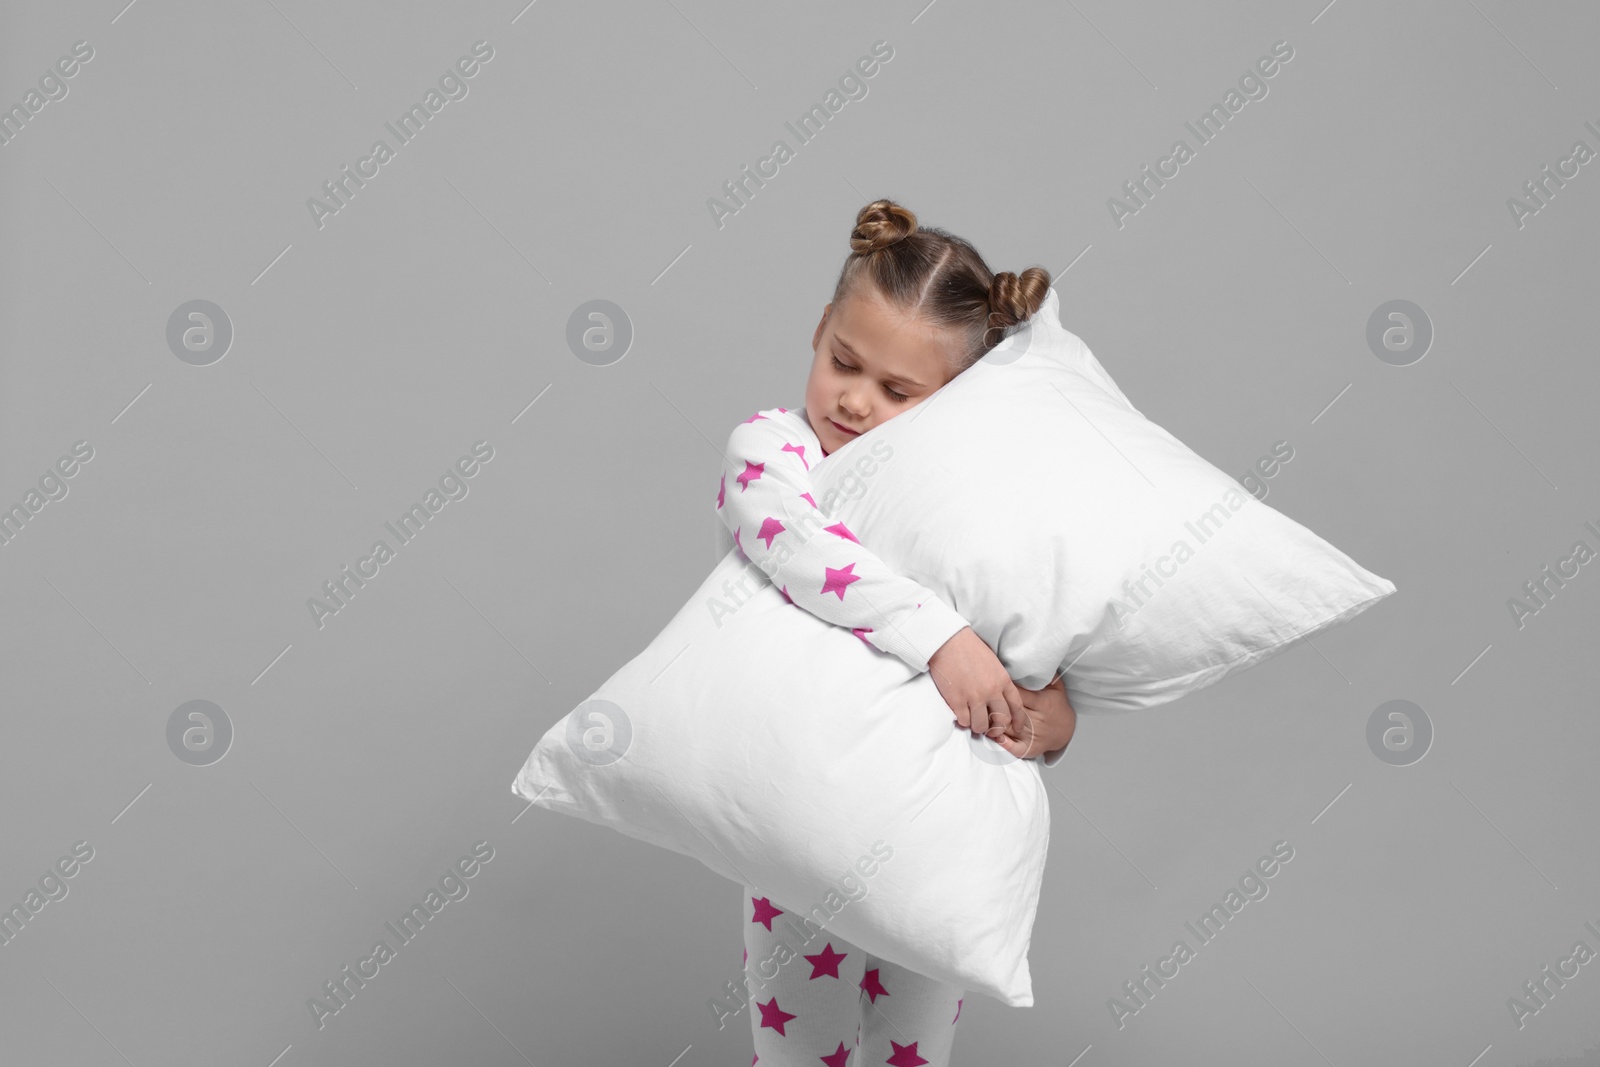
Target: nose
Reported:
point(850, 402)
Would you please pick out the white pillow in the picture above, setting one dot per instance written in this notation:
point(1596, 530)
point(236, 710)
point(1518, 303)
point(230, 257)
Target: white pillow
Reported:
point(785, 753)
point(1052, 498)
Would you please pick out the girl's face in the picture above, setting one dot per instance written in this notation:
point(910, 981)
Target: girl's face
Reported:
point(872, 362)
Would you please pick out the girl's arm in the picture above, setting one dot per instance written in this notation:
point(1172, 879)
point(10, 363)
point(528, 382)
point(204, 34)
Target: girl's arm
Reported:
point(765, 499)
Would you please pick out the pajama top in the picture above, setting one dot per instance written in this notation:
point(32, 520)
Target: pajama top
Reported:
point(764, 497)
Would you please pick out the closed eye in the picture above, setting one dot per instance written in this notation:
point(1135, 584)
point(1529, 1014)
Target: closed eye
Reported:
point(896, 397)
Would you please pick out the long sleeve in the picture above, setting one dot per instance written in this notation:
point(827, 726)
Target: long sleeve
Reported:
point(765, 499)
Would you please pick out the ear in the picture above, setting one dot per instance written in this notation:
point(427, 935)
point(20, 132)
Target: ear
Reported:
point(822, 324)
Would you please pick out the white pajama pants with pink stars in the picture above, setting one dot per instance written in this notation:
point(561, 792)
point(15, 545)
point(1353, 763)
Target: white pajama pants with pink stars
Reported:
point(834, 1005)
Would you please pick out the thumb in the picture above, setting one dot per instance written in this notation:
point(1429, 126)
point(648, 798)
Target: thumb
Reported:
point(1012, 745)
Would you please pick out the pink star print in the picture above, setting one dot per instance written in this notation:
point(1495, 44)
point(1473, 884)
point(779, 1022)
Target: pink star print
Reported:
point(775, 1017)
point(722, 489)
point(807, 498)
point(842, 530)
point(826, 962)
point(740, 543)
point(958, 1008)
point(837, 1058)
point(770, 528)
point(874, 988)
point(799, 450)
point(862, 632)
point(904, 1055)
point(785, 591)
point(839, 580)
point(752, 471)
point(765, 912)
point(756, 416)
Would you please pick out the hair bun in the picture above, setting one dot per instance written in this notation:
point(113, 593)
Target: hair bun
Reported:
point(879, 225)
point(1014, 298)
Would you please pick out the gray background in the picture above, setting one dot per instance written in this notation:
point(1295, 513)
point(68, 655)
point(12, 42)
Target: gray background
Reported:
point(429, 313)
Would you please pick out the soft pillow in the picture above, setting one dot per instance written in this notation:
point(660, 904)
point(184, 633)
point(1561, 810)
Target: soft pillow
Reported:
point(1071, 531)
point(785, 753)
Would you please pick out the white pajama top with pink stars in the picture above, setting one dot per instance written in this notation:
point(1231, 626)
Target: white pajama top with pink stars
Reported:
point(765, 499)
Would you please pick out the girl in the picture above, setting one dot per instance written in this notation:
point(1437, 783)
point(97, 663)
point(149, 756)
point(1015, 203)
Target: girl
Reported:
point(912, 309)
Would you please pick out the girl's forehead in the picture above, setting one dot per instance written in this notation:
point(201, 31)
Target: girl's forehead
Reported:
point(891, 342)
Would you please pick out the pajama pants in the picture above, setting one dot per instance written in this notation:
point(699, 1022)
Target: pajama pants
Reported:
point(832, 1004)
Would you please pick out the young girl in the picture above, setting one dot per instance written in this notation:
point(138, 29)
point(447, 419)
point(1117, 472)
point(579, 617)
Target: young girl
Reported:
point(912, 309)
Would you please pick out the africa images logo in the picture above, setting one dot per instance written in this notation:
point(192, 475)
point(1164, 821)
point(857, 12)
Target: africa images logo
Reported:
point(452, 86)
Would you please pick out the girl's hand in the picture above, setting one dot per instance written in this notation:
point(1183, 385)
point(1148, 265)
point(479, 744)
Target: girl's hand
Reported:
point(1046, 724)
point(974, 683)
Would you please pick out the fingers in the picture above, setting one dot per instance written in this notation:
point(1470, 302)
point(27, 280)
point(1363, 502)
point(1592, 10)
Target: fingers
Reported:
point(999, 712)
point(980, 718)
point(1023, 731)
point(1013, 698)
point(1015, 747)
point(1023, 725)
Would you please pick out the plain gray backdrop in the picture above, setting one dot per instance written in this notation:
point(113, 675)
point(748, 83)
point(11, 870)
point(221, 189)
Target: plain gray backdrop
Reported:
point(372, 347)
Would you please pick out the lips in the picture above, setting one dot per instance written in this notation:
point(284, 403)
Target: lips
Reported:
point(847, 431)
